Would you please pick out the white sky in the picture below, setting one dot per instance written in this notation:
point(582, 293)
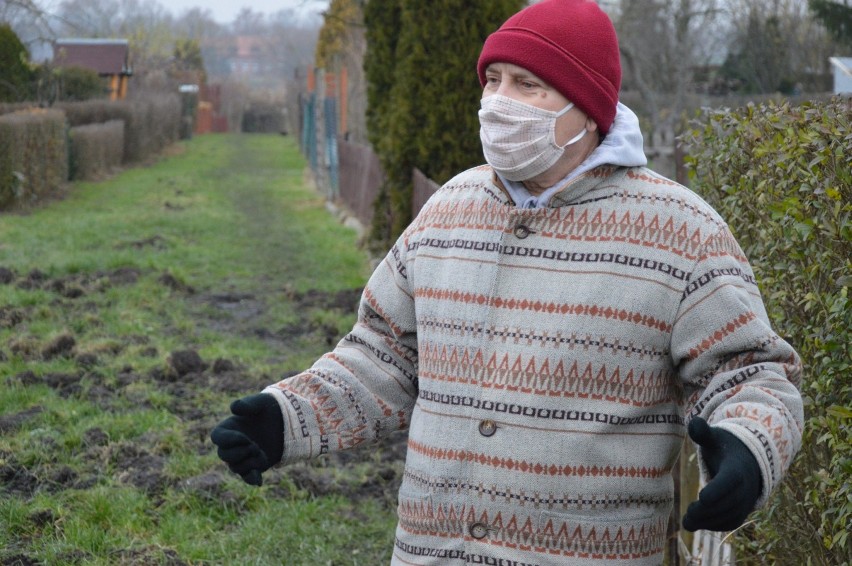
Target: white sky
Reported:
point(224, 11)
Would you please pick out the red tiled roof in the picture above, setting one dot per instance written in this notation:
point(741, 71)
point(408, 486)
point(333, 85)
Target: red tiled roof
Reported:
point(106, 56)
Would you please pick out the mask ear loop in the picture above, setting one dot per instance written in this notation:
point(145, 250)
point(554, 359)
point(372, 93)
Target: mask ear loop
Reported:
point(565, 110)
point(576, 138)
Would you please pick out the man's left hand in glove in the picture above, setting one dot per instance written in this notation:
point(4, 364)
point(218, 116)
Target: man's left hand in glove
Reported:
point(735, 485)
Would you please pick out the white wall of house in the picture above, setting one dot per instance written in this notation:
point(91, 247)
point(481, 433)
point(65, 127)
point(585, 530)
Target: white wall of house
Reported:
point(842, 67)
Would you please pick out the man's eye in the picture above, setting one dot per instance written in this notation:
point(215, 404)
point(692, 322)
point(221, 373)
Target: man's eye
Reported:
point(527, 85)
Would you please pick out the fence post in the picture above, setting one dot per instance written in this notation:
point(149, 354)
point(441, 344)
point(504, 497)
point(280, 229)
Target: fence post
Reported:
point(681, 174)
point(330, 109)
point(309, 131)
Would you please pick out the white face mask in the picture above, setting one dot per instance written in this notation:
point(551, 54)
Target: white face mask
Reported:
point(519, 140)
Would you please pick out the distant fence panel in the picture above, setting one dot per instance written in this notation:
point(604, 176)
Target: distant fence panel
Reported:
point(361, 177)
point(424, 187)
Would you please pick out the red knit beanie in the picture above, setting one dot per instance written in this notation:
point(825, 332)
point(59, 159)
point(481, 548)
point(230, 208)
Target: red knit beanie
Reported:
point(572, 45)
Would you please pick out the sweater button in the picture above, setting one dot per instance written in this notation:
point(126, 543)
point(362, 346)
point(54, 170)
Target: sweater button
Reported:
point(521, 231)
point(478, 530)
point(487, 428)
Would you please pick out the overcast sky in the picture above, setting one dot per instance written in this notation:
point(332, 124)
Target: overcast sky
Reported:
point(224, 11)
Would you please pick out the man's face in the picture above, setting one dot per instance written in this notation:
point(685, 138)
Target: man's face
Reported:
point(519, 84)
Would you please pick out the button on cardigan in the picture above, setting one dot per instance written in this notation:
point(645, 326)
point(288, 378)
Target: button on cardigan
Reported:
point(589, 339)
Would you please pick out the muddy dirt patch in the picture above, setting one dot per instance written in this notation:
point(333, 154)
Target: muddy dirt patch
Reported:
point(11, 422)
point(156, 242)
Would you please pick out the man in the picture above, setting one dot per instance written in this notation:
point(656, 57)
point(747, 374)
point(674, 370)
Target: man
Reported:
point(545, 329)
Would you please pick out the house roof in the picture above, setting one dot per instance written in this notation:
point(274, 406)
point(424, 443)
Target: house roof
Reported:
point(844, 64)
point(105, 56)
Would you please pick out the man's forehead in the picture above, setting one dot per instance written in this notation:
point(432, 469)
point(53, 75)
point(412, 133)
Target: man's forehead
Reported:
point(510, 68)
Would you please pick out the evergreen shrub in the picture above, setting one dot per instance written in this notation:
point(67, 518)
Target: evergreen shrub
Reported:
point(33, 156)
point(95, 149)
point(423, 94)
point(264, 118)
point(782, 177)
point(16, 76)
point(78, 83)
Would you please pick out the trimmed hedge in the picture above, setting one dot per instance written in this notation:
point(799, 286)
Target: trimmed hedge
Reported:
point(264, 118)
point(782, 177)
point(33, 156)
point(150, 124)
point(87, 112)
point(95, 149)
point(35, 150)
point(9, 107)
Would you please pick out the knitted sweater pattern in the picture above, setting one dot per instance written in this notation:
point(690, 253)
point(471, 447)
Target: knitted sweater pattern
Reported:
point(545, 363)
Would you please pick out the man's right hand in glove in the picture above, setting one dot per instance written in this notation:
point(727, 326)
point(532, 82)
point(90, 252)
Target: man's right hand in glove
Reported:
point(252, 440)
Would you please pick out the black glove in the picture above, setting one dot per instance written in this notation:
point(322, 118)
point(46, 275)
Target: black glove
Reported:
point(252, 440)
point(736, 481)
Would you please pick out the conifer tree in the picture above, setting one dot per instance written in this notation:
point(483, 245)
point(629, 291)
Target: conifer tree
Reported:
point(381, 17)
point(332, 41)
point(836, 16)
point(15, 74)
point(424, 93)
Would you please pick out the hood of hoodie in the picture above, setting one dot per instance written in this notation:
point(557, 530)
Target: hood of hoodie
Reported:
point(623, 146)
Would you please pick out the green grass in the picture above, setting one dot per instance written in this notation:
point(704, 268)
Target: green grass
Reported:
point(100, 445)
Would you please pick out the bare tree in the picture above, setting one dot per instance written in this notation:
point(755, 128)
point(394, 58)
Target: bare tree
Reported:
point(31, 21)
point(776, 45)
point(198, 24)
point(662, 43)
point(249, 22)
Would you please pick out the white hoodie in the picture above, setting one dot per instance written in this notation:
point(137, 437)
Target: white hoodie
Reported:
point(622, 146)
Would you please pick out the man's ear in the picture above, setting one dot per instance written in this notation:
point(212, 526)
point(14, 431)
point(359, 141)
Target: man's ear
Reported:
point(591, 125)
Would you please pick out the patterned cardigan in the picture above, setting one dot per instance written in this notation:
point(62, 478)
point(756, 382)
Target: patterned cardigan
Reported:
point(545, 363)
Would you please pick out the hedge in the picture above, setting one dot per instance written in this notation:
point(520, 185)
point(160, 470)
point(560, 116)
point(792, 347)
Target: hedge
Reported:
point(33, 156)
point(35, 149)
point(150, 124)
point(95, 149)
point(87, 112)
point(782, 177)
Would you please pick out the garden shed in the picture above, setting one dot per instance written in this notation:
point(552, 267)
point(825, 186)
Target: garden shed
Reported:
point(110, 58)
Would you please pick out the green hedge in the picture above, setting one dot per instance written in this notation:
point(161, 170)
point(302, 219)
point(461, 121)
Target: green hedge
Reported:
point(782, 177)
point(33, 156)
point(95, 149)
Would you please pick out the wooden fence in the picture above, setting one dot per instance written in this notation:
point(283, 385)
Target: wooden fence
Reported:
point(361, 176)
point(424, 187)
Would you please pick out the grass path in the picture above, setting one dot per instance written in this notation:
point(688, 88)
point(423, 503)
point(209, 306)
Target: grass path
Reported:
point(131, 313)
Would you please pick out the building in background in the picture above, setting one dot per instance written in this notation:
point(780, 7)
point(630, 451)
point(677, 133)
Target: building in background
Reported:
point(842, 75)
point(110, 58)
